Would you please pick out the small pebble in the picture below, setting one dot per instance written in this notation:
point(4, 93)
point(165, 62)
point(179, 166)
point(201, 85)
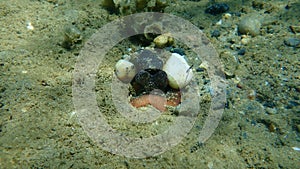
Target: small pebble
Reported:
point(125, 70)
point(72, 36)
point(242, 51)
point(215, 33)
point(245, 41)
point(251, 94)
point(227, 16)
point(200, 69)
point(293, 42)
point(271, 110)
point(296, 148)
point(298, 127)
point(295, 29)
point(163, 40)
point(216, 9)
point(258, 5)
point(272, 127)
point(180, 51)
point(249, 25)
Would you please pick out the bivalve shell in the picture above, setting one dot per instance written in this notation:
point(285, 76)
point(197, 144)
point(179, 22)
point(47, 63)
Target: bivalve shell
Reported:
point(178, 71)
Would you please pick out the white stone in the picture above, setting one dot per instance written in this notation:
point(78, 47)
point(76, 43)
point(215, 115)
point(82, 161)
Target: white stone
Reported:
point(178, 71)
point(125, 70)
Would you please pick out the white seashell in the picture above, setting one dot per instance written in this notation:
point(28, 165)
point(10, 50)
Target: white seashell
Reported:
point(125, 70)
point(178, 71)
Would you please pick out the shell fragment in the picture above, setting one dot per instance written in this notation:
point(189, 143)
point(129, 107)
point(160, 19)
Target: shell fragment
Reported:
point(178, 71)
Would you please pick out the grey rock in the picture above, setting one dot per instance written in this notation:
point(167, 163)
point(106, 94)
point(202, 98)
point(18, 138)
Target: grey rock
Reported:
point(293, 42)
point(249, 25)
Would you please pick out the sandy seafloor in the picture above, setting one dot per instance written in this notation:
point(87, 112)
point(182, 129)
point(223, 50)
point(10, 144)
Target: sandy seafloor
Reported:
point(260, 125)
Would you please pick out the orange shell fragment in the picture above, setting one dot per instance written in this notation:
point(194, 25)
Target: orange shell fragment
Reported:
point(159, 102)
